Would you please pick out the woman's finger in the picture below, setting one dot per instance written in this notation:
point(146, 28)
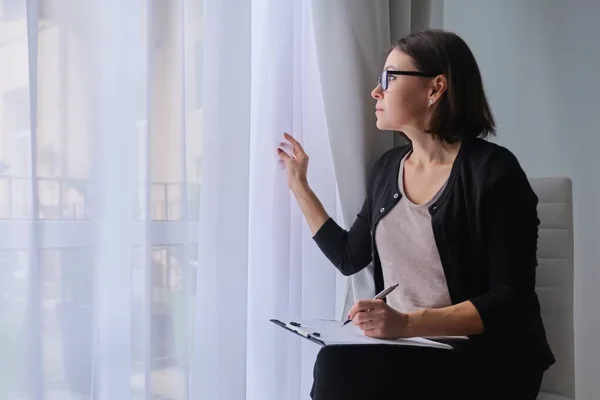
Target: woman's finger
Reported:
point(362, 317)
point(363, 305)
point(368, 325)
point(356, 308)
point(295, 144)
point(283, 155)
point(374, 333)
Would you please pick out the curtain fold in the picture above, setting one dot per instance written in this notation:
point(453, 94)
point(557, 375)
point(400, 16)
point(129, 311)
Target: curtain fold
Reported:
point(257, 259)
point(219, 349)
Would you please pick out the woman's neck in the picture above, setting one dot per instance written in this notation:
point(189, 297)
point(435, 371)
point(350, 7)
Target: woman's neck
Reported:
point(428, 151)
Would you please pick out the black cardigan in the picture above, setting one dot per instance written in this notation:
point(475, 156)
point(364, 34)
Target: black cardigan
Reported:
point(485, 226)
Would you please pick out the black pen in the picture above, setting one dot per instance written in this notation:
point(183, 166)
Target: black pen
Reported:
point(380, 296)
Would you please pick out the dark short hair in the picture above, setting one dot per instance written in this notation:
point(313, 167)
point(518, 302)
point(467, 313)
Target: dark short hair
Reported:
point(463, 111)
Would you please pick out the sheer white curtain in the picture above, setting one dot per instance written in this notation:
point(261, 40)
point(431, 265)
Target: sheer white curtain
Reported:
point(121, 279)
point(101, 116)
point(257, 257)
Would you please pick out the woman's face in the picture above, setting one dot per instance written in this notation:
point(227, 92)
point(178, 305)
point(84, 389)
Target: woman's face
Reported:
point(404, 106)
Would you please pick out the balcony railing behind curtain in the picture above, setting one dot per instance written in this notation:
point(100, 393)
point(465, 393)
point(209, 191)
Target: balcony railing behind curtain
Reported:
point(69, 199)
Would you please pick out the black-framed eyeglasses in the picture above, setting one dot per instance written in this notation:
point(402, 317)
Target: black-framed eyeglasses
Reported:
point(384, 78)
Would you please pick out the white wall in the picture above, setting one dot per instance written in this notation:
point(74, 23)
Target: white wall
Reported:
point(540, 61)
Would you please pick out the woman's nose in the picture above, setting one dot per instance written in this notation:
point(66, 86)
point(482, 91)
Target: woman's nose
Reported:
point(377, 93)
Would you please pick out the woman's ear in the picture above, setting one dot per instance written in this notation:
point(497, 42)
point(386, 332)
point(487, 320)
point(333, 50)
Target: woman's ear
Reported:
point(439, 85)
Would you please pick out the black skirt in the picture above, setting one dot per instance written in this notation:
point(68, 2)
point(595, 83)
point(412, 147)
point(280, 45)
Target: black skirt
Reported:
point(404, 373)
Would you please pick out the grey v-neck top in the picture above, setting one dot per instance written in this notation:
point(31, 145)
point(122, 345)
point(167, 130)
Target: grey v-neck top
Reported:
point(409, 255)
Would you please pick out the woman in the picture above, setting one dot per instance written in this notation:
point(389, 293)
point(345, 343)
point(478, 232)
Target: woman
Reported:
point(451, 218)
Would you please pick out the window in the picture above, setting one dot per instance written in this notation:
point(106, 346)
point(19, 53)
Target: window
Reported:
point(20, 193)
point(17, 127)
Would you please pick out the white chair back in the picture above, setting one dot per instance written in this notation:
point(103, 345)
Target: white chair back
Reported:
point(555, 282)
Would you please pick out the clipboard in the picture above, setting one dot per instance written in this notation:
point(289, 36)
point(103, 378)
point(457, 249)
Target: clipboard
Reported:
point(331, 333)
point(299, 330)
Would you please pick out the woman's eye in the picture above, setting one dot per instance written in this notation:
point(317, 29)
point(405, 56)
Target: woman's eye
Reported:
point(392, 77)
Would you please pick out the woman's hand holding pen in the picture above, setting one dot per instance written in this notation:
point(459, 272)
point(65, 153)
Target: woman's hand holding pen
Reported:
point(378, 320)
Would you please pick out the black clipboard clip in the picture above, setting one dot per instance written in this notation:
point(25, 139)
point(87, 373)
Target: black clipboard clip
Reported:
point(299, 330)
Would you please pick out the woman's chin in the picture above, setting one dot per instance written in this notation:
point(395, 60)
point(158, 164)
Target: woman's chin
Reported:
point(382, 125)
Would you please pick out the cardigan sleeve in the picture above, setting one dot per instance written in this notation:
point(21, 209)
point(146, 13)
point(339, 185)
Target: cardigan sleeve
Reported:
point(349, 251)
point(510, 234)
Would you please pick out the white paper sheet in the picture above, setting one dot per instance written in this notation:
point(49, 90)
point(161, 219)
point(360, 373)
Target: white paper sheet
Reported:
point(331, 333)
